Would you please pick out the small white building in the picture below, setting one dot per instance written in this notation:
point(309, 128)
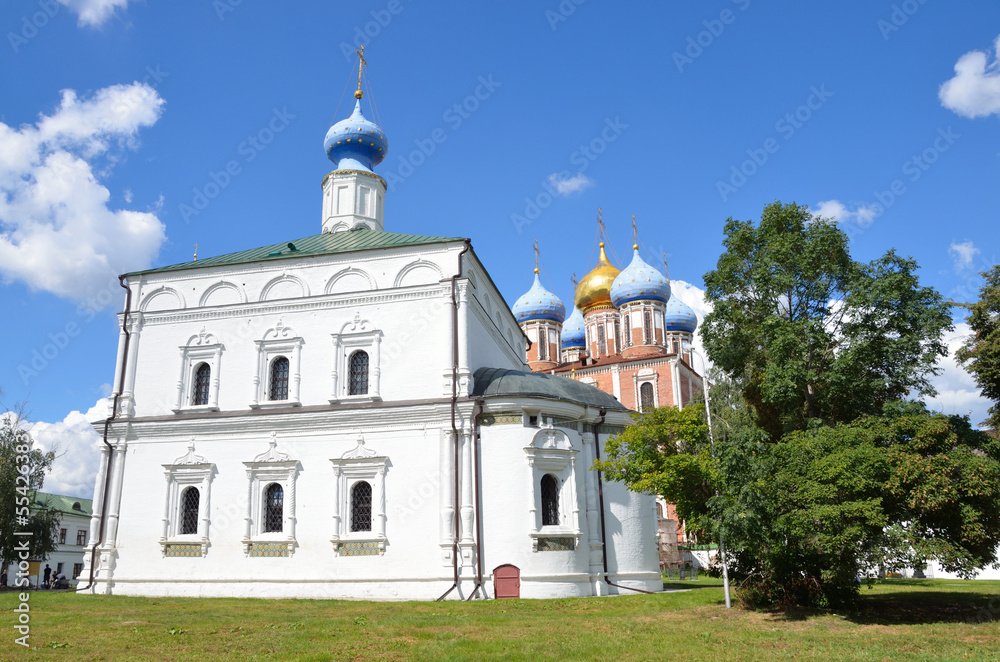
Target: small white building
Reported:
point(350, 415)
point(72, 538)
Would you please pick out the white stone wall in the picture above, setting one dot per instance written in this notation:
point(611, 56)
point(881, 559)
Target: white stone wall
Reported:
point(227, 316)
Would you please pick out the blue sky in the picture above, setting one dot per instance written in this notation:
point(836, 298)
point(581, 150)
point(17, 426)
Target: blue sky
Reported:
point(117, 116)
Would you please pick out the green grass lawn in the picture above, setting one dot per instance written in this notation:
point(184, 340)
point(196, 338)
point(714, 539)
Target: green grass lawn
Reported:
point(900, 620)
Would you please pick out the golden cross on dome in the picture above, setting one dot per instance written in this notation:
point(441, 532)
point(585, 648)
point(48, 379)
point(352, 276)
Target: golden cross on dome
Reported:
point(666, 272)
point(600, 223)
point(635, 235)
point(361, 63)
point(573, 279)
point(536, 256)
point(196, 252)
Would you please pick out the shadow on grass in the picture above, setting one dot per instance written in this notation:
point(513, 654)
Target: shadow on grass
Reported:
point(912, 608)
point(688, 585)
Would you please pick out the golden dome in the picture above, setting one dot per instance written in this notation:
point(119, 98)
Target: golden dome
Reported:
point(595, 288)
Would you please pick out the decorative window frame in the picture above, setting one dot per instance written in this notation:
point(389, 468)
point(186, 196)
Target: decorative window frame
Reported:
point(278, 341)
point(203, 347)
point(354, 335)
point(189, 470)
point(551, 452)
point(646, 376)
point(269, 467)
point(359, 464)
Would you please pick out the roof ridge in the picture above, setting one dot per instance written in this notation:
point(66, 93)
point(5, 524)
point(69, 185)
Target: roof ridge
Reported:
point(325, 243)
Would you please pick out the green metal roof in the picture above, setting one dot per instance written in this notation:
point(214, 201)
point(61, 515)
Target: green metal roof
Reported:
point(328, 243)
point(65, 503)
point(500, 382)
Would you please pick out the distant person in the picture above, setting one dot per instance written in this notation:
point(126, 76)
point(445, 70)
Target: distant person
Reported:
point(48, 573)
point(3, 578)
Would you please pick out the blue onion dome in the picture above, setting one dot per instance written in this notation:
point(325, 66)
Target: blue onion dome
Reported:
point(538, 304)
point(680, 317)
point(639, 281)
point(356, 143)
point(573, 332)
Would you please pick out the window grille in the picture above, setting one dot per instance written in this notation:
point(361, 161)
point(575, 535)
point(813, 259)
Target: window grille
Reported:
point(189, 510)
point(543, 344)
point(618, 335)
point(358, 382)
point(646, 397)
point(647, 327)
point(676, 346)
point(274, 507)
point(279, 379)
point(628, 332)
point(81, 537)
point(601, 340)
point(77, 569)
point(550, 501)
point(361, 507)
point(62, 536)
point(202, 380)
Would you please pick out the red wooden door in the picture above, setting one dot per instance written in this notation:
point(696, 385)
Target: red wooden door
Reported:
point(507, 581)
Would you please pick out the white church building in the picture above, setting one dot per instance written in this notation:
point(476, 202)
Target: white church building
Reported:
point(351, 415)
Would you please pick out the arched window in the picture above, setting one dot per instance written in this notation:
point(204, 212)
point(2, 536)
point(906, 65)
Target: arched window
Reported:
point(646, 397)
point(601, 342)
point(550, 501)
point(358, 383)
point(361, 506)
point(543, 344)
point(628, 332)
point(618, 335)
point(677, 346)
point(274, 508)
point(278, 384)
point(190, 500)
point(647, 327)
point(202, 381)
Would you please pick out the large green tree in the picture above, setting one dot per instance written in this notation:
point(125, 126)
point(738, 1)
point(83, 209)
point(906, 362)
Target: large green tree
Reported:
point(824, 471)
point(810, 333)
point(981, 352)
point(22, 473)
point(832, 503)
point(666, 452)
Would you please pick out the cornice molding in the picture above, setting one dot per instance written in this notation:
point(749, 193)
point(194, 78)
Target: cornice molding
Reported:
point(319, 302)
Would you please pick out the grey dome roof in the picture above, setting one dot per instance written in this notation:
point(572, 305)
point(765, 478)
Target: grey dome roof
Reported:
point(499, 382)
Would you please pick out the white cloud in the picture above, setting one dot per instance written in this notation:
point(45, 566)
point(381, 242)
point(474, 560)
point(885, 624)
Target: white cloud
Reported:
point(78, 450)
point(963, 254)
point(93, 13)
point(975, 89)
point(957, 390)
point(862, 215)
point(570, 185)
point(694, 297)
point(57, 232)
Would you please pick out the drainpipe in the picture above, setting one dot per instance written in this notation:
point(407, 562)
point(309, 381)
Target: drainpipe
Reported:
point(454, 406)
point(107, 426)
point(600, 497)
point(479, 520)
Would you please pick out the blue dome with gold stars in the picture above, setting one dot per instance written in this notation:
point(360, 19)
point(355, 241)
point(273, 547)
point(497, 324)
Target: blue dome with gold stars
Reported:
point(680, 317)
point(356, 143)
point(573, 333)
point(639, 281)
point(538, 304)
